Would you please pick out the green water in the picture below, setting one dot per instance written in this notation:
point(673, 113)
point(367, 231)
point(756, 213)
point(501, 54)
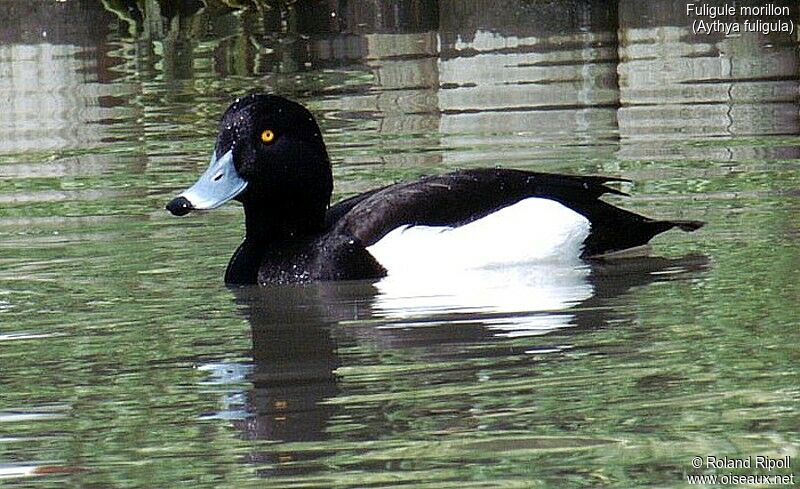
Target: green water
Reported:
point(127, 363)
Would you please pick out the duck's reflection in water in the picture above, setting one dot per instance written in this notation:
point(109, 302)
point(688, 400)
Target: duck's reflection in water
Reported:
point(297, 330)
point(293, 371)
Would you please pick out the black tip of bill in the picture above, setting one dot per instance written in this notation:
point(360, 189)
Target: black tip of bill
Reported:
point(179, 206)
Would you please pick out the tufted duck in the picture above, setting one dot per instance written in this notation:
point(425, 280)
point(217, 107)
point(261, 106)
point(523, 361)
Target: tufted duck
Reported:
point(270, 156)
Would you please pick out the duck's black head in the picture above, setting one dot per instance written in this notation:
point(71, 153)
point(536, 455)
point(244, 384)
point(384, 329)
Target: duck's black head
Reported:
point(270, 156)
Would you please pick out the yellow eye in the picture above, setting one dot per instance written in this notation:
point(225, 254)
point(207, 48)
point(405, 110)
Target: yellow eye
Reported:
point(267, 136)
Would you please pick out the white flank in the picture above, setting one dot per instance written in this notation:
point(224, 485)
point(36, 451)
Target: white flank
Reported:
point(533, 230)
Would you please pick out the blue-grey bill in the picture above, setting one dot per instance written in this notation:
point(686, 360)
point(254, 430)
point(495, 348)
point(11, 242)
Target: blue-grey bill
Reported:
point(217, 185)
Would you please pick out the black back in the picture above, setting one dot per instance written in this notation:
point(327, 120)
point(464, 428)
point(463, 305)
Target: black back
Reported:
point(457, 198)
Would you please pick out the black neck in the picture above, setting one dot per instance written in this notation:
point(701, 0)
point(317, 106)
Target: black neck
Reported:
point(285, 221)
point(275, 227)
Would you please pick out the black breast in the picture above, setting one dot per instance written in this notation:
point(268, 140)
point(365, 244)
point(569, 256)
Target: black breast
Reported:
point(328, 257)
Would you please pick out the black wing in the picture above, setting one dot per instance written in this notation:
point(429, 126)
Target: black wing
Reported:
point(457, 198)
point(341, 208)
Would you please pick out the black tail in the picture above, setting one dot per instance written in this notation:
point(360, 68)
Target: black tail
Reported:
point(688, 226)
point(615, 229)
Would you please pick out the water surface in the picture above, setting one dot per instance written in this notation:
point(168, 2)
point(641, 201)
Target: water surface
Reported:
point(127, 363)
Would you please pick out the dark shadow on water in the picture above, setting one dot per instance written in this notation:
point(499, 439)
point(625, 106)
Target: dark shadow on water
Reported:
point(297, 331)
